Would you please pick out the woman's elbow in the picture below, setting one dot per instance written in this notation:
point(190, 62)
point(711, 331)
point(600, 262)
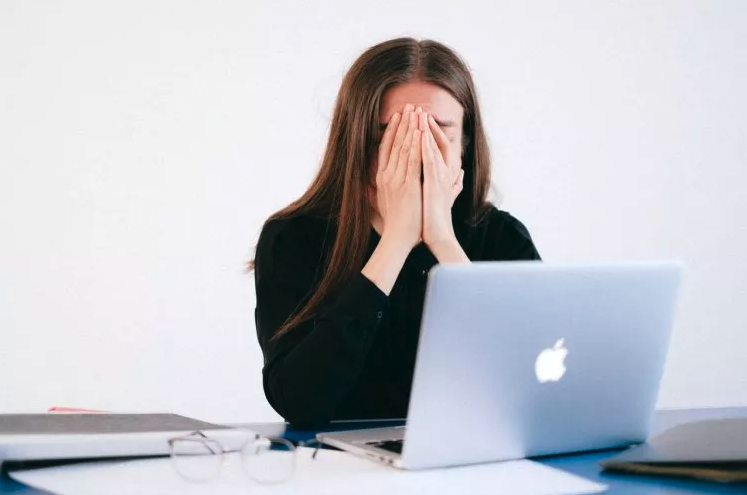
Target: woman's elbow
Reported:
point(303, 412)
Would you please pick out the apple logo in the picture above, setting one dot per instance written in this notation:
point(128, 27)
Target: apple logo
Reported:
point(550, 364)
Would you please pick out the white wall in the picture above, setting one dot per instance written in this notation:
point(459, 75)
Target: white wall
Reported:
point(143, 143)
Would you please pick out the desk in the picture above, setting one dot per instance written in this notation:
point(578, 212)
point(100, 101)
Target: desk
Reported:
point(585, 465)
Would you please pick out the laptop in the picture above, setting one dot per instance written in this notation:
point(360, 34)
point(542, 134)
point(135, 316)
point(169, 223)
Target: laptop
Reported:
point(527, 359)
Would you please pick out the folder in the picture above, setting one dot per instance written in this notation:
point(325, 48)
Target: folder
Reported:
point(63, 436)
point(714, 450)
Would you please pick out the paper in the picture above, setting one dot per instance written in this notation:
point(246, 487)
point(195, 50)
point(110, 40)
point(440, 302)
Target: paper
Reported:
point(331, 473)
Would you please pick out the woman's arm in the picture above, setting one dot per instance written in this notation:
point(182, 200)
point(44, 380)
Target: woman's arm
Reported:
point(309, 369)
point(385, 263)
point(449, 252)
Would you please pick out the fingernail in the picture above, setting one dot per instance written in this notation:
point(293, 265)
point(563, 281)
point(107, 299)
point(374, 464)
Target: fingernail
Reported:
point(409, 107)
point(420, 109)
point(431, 119)
point(394, 117)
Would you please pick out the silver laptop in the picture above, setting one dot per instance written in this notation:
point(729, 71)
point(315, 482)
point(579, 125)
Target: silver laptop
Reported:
point(524, 359)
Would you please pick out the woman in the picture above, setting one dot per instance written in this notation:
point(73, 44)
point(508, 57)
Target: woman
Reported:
point(341, 272)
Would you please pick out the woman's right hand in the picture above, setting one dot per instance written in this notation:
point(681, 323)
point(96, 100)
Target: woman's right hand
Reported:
point(398, 185)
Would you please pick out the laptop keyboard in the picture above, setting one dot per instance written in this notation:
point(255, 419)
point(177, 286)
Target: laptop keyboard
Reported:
point(390, 445)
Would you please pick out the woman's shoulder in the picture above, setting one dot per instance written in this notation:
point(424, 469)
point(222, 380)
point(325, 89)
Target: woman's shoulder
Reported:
point(495, 219)
point(499, 235)
point(297, 236)
point(295, 227)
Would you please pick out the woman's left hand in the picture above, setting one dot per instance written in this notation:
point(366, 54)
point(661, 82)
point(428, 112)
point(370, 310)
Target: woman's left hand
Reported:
point(442, 183)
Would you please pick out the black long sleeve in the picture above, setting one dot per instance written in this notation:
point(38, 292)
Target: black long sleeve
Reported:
point(308, 370)
point(355, 359)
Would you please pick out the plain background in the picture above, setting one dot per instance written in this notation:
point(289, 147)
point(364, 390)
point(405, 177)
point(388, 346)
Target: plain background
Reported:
point(143, 143)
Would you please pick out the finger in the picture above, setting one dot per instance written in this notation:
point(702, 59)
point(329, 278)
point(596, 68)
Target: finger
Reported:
point(441, 140)
point(429, 158)
point(458, 187)
point(387, 140)
point(442, 144)
point(459, 182)
point(414, 164)
point(404, 152)
point(439, 165)
point(399, 138)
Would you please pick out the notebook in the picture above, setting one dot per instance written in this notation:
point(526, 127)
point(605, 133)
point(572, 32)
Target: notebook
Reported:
point(28, 437)
point(711, 450)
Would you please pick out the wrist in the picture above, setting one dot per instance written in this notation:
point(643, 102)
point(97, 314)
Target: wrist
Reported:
point(395, 246)
point(442, 244)
point(386, 262)
point(448, 251)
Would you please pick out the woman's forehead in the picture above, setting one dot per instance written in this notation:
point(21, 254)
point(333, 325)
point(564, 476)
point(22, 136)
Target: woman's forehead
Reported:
point(433, 99)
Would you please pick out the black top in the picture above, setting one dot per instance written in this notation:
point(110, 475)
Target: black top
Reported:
point(355, 360)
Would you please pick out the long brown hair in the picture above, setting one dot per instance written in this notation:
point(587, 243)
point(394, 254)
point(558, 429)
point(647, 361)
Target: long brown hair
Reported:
point(339, 191)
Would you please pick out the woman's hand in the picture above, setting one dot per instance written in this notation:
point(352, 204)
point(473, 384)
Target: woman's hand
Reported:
point(399, 199)
point(450, 154)
point(398, 188)
point(442, 184)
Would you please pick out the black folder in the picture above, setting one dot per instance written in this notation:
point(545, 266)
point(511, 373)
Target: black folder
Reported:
point(713, 450)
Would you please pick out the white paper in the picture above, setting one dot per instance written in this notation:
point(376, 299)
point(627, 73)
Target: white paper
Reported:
point(331, 473)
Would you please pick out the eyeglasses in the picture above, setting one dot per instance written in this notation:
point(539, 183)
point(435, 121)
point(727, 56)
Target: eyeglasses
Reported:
point(199, 458)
